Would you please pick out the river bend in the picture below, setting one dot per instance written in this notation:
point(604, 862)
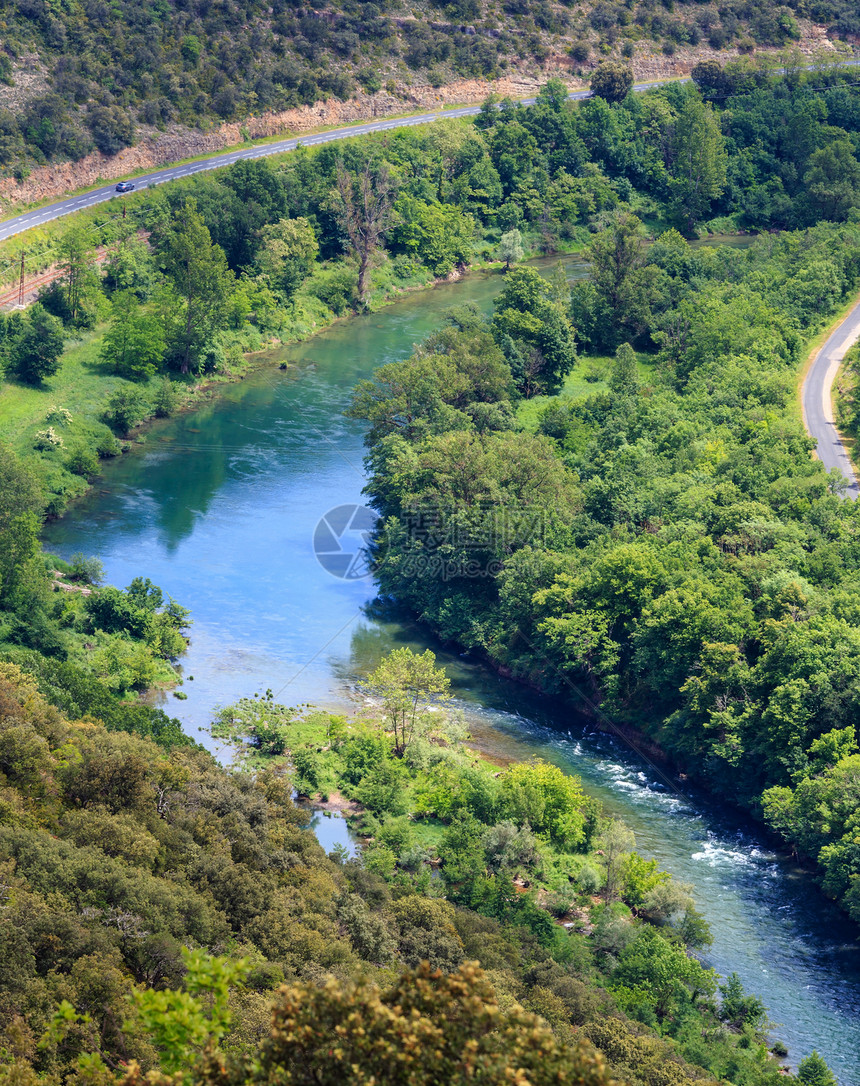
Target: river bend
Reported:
point(220, 506)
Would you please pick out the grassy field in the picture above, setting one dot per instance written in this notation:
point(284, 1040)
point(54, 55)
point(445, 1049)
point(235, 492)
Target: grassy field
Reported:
point(84, 383)
point(81, 387)
point(589, 376)
point(70, 405)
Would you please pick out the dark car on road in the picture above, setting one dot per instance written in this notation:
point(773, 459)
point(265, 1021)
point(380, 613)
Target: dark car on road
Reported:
point(125, 186)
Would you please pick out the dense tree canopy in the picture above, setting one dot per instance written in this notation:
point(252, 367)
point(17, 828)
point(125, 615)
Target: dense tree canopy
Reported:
point(115, 74)
point(648, 528)
point(685, 559)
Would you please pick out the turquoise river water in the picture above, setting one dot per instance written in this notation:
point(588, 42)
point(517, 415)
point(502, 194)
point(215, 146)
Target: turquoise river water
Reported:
point(220, 507)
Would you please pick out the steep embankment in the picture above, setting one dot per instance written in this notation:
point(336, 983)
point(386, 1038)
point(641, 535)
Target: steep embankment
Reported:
point(89, 97)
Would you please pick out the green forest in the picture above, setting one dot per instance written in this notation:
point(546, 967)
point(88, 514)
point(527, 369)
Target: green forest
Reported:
point(203, 271)
point(109, 74)
point(602, 488)
point(156, 907)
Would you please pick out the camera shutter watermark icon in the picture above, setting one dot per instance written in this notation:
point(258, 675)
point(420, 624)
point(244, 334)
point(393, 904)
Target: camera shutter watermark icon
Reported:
point(342, 540)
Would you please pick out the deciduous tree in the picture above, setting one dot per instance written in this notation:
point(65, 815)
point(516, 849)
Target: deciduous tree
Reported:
point(202, 280)
point(616, 842)
point(289, 249)
point(362, 204)
point(511, 248)
point(612, 81)
point(134, 343)
point(698, 160)
point(37, 350)
point(407, 681)
point(76, 258)
point(833, 181)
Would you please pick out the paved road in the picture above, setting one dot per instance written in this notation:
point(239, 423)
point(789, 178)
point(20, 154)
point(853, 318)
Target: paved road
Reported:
point(68, 206)
point(226, 158)
point(818, 402)
point(817, 406)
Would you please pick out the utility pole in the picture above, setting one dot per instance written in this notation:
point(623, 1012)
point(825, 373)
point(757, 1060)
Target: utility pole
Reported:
point(21, 281)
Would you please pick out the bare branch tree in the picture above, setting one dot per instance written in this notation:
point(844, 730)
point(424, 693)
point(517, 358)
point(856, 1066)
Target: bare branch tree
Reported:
point(362, 204)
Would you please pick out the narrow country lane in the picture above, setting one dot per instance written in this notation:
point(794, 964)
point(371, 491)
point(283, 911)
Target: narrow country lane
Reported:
point(818, 402)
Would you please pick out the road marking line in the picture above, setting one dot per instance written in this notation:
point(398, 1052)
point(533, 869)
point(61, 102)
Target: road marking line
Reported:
point(17, 225)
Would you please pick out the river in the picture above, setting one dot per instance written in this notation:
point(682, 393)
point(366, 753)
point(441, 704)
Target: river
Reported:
point(221, 508)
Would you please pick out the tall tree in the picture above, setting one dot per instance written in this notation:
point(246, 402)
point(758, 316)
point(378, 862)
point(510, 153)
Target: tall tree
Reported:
point(537, 328)
point(36, 352)
point(616, 842)
point(362, 204)
point(134, 343)
point(623, 379)
point(612, 81)
point(202, 280)
point(698, 160)
point(616, 304)
point(833, 181)
point(129, 265)
point(614, 255)
point(406, 681)
point(289, 250)
point(76, 258)
point(511, 248)
point(21, 504)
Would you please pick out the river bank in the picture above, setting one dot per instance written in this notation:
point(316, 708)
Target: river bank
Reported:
point(84, 381)
point(522, 844)
point(85, 384)
point(220, 508)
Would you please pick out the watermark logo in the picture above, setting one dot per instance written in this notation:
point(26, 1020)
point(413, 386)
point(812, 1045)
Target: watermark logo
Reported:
point(430, 543)
point(466, 544)
point(342, 540)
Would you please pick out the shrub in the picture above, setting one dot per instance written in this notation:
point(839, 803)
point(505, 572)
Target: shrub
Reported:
point(370, 81)
point(125, 409)
point(83, 461)
point(47, 439)
point(88, 570)
point(166, 399)
point(107, 446)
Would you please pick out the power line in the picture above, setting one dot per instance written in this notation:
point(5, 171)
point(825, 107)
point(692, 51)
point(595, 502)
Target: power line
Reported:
point(772, 86)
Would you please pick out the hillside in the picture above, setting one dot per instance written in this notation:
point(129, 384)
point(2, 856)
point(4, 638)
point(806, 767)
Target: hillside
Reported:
point(88, 79)
point(665, 545)
point(126, 866)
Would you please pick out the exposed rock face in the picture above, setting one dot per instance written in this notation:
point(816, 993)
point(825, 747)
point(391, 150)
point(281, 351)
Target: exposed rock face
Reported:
point(156, 148)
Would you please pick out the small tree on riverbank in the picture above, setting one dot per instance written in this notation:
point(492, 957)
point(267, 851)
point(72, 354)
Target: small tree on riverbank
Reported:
point(511, 248)
point(36, 353)
point(406, 681)
point(616, 843)
point(813, 1071)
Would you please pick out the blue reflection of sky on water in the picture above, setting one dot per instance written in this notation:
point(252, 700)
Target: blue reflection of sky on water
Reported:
point(220, 507)
point(332, 831)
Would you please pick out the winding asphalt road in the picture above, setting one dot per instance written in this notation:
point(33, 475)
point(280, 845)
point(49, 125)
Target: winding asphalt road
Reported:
point(41, 215)
point(816, 398)
point(818, 402)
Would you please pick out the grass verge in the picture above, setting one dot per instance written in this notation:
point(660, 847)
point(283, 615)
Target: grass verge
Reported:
point(230, 149)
